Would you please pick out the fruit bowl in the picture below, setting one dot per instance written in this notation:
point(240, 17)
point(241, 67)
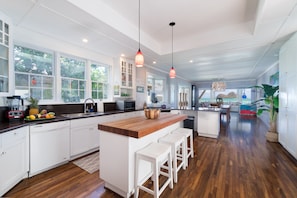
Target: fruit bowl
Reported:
point(43, 115)
point(151, 113)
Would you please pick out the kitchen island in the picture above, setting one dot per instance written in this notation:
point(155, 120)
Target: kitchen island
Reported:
point(119, 140)
point(206, 120)
point(209, 122)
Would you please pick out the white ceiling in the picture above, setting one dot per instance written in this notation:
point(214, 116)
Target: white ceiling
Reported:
point(225, 39)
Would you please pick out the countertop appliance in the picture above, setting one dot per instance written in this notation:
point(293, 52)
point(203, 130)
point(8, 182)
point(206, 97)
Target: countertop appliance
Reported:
point(15, 108)
point(126, 105)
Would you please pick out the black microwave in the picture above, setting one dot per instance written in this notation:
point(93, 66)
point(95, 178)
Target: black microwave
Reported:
point(126, 105)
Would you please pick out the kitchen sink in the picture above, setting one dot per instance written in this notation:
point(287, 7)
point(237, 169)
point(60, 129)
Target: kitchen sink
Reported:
point(78, 115)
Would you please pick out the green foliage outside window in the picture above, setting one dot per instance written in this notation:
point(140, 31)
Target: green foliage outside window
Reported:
point(73, 79)
point(72, 68)
point(32, 61)
point(35, 76)
point(33, 73)
point(99, 77)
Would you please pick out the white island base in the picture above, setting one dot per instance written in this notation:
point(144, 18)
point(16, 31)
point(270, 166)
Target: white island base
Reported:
point(209, 123)
point(117, 158)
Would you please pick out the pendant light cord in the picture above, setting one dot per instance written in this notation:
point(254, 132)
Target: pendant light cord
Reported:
point(172, 46)
point(172, 24)
point(139, 24)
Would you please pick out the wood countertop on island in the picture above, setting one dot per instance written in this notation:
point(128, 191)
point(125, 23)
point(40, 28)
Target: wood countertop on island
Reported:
point(140, 126)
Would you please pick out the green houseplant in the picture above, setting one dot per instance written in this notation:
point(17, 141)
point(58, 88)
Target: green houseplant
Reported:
point(34, 108)
point(270, 105)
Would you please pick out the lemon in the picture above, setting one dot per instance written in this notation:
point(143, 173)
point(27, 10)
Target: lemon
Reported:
point(32, 117)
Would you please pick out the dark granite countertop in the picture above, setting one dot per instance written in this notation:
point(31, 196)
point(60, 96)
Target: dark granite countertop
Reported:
point(212, 109)
point(8, 126)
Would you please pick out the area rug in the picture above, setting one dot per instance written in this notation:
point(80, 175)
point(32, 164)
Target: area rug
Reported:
point(89, 163)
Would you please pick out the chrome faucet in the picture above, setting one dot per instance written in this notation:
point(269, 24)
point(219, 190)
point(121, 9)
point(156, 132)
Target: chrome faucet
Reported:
point(85, 104)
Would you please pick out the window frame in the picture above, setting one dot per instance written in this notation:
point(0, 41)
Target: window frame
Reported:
point(57, 77)
point(105, 83)
point(29, 87)
point(85, 80)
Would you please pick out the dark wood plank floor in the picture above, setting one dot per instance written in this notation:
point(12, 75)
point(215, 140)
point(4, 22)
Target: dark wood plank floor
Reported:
point(240, 163)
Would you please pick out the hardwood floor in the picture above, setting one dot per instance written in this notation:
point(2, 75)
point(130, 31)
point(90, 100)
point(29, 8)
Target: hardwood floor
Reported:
point(240, 163)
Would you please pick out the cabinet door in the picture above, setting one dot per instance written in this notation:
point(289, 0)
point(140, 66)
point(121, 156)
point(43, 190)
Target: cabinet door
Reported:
point(14, 160)
point(84, 135)
point(6, 62)
point(123, 72)
point(94, 137)
point(282, 126)
point(127, 78)
point(79, 140)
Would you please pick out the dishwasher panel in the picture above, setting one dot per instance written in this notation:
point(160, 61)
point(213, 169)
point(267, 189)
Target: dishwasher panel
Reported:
point(49, 146)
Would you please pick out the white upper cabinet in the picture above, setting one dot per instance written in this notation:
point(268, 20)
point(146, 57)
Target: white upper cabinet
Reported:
point(127, 73)
point(127, 83)
point(6, 63)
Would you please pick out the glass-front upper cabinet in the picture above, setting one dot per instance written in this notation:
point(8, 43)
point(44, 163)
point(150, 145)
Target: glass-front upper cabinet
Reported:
point(127, 78)
point(127, 73)
point(5, 55)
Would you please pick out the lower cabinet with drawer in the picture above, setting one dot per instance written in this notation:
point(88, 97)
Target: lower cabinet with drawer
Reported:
point(84, 136)
point(14, 157)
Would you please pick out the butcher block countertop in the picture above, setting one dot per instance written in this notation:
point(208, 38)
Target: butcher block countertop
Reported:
point(140, 126)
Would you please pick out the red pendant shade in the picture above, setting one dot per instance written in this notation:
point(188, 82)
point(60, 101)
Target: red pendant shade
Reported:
point(139, 60)
point(172, 73)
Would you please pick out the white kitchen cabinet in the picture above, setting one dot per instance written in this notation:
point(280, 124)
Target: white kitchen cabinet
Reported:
point(84, 136)
point(287, 118)
point(84, 133)
point(208, 123)
point(14, 157)
point(6, 53)
point(49, 146)
point(127, 78)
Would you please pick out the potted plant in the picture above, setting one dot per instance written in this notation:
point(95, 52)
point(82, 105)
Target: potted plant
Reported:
point(34, 108)
point(271, 98)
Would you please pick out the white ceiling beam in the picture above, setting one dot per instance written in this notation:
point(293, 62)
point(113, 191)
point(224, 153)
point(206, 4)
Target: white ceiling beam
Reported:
point(259, 15)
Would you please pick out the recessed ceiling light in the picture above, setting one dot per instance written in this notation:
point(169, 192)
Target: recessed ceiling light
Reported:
point(154, 62)
point(122, 55)
point(191, 61)
point(84, 40)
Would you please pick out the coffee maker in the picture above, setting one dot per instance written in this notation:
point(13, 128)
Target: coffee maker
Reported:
point(15, 108)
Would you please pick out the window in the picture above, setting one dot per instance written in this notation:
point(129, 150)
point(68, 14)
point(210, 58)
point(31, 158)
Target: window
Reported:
point(242, 96)
point(73, 79)
point(34, 73)
point(156, 89)
point(100, 80)
point(183, 97)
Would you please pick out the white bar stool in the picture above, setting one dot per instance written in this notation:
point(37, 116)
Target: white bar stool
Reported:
point(176, 141)
point(189, 135)
point(157, 154)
